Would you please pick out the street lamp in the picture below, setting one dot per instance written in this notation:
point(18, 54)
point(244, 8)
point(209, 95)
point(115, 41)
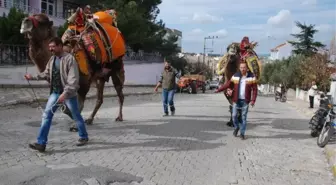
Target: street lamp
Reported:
point(206, 38)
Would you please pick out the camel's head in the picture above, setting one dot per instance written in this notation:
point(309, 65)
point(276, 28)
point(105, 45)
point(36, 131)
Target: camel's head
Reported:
point(233, 51)
point(37, 27)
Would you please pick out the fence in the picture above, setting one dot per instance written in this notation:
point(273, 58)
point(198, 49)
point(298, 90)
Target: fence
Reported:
point(18, 55)
point(14, 55)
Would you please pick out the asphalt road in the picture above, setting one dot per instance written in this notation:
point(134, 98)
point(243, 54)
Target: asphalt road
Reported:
point(193, 147)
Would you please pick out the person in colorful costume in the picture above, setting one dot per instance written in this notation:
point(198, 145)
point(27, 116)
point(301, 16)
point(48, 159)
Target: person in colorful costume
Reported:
point(244, 45)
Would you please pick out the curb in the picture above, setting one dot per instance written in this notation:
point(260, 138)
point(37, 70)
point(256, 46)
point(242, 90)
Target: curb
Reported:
point(107, 95)
point(331, 156)
point(2, 86)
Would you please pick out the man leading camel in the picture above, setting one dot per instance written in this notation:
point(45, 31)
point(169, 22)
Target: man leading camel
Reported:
point(244, 94)
point(63, 74)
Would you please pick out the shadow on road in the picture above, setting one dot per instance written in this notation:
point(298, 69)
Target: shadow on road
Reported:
point(171, 134)
point(180, 133)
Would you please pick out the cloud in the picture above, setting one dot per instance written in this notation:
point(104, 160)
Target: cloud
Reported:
point(197, 31)
point(283, 18)
point(201, 18)
point(295, 30)
point(256, 19)
point(324, 27)
point(220, 33)
point(206, 18)
point(309, 2)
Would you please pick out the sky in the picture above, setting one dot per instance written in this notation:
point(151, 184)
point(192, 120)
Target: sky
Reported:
point(267, 22)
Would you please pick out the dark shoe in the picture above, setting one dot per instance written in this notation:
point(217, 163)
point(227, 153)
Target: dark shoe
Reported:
point(165, 114)
point(38, 147)
point(229, 124)
point(82, 142)
point(172, 113)
point(235, 132)
point(242, 137)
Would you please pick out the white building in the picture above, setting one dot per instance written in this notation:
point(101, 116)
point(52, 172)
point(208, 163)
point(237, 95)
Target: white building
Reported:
point(282, 51)
point(57, 10)
point(177, 33)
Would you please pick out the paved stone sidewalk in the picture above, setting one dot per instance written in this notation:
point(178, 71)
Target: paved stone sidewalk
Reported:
point(330, 149)
point(12, 96)
point(302, 106)
point(193, 147)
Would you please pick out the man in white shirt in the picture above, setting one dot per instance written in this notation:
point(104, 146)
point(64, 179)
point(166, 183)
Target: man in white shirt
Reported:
point(311, 93)
point(244, 93)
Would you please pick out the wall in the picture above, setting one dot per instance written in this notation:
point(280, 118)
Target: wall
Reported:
point(58, 19)
point(143, 74)
point(298, 93)
point(303, 95)
point(35, 6)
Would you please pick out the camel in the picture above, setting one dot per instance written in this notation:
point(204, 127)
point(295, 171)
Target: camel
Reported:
point(226, 68)
point(229, 65)
point(38, 29)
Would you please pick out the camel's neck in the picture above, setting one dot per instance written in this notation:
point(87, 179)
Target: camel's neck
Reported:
point(39, 53)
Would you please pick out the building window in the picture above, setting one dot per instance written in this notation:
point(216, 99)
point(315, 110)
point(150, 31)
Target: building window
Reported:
point(48, 7)
point(18, 4)
point(69, 8)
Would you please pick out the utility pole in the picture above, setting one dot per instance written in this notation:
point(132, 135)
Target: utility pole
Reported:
point(204, 48)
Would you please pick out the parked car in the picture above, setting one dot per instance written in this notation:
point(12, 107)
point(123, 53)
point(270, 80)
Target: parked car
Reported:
point(214, 84)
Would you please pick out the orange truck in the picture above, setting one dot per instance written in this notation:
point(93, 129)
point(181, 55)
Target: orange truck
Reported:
point(191, 84)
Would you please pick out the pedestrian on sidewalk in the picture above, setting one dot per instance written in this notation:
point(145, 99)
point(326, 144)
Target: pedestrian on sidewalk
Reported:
point(168, 83)
point(311, 93)
point(245, 93)
point(63, 75)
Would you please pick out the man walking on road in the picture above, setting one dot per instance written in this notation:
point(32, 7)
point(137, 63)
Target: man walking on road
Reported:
point(244, 93)
point(62, 73)
point(167, 80)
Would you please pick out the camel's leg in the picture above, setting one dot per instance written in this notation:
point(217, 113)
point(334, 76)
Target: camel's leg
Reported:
point(100, 98)
point(118, 79)
point(230, 123)
point(119, 90)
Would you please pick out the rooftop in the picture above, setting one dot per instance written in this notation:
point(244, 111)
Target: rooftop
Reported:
point(279, 46)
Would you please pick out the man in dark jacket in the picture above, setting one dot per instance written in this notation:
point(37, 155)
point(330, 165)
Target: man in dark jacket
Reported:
point(244, 94)
point(167, 80)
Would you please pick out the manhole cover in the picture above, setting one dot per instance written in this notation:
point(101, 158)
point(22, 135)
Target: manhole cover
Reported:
point(86, 175)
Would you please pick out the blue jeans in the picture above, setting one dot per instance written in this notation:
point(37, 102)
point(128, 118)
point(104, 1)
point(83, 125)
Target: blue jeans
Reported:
point(168, 98)
point(240, 104)
point(48, 115)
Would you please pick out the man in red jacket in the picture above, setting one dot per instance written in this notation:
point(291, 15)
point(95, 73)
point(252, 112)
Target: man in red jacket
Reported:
point(244, 94)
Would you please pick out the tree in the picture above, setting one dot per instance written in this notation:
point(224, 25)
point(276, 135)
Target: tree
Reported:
point(305, 44)
point(10, 27)
point(315, 68)
point(61, 29)
point(178, 63)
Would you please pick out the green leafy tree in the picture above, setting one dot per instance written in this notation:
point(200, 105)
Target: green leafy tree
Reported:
point(305, 44)
point(61, 29)
point(10, 27)
point(178, 63)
